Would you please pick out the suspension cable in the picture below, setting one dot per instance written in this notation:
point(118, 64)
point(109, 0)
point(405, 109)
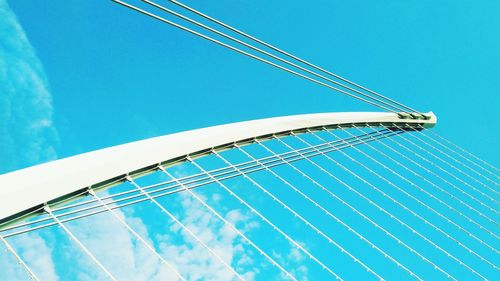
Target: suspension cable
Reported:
point(349, 187)
point(269, 54)
point(457, 160)
point(400, 144)
point(312, 226)
point(382, 209)
point(137, 235)
point(467, 153)
point(79, 243)
point(325, 210)
point(449, 173)
point(19, 260)
point(287, 237)
point(291, 56)
point(415, 136)
point(443, 190)
point(223, 173)
point(408, 209)
point(246, 166)
point(405, 179)
point(232, 226)
point(252, 56)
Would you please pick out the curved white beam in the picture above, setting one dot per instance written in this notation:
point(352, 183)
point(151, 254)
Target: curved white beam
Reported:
point(30, 187)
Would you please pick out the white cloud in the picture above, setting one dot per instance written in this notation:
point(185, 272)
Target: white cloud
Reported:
point(128, 259)
point(26, 131)
point(200, 264)
point(120, 252)
point(27, 135)
point(35, 251)
point(294, 259)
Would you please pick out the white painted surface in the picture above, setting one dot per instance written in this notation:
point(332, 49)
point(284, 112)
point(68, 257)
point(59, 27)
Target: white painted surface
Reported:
point(26, 188)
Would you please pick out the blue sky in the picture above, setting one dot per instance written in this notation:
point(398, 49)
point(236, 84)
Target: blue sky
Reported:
point(79, 76)
point(115, 76)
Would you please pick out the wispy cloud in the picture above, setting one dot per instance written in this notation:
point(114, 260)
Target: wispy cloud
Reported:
point(35, 251)
point(196, 261)
point(26, 131)
point(120, 252)
point(27, 134)
point(128, 259)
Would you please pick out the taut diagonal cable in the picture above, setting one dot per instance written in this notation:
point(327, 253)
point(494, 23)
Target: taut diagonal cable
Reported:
point(494, 181)
point(132, 7)
point(292, 56)
point(137, 235)
point(406, 140)
point(19, 260)
point(269, 54)
point(287, 237)
point(388, 197)
point(408, 209)
point(467, 153)
point(458, 162)
point(388, 233)
point(184, 227)
point(79, 243)
point(413, 152)
point(446, 192)
point(249, 167)
point(222, 174)
point(307, 222)
point(241, 234)
point(351, 229)
point(426, 205)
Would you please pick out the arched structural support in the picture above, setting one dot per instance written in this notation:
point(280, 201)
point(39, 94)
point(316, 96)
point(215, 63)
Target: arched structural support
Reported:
point(26, 191)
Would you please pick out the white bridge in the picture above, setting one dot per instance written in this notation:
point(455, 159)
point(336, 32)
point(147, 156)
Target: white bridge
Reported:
point(354, 196)
point(93, 184)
